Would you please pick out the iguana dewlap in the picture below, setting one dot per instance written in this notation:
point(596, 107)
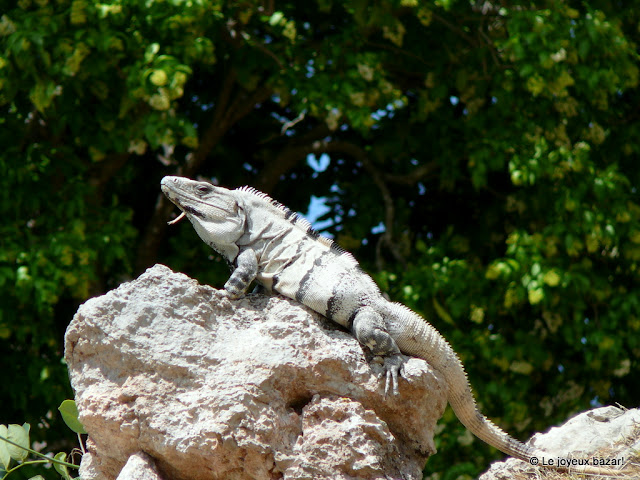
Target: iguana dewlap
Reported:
point(266, 242)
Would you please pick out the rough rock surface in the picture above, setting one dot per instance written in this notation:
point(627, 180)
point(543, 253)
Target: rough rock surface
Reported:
point(140, 466)
point(606, 433)
point(175, 381)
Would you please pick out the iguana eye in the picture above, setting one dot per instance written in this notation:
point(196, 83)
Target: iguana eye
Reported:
point(203, 189)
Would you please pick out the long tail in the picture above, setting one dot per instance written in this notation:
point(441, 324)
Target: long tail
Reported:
point(417, 337)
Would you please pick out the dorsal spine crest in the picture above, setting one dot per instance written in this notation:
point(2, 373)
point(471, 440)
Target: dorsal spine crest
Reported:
point(297, 220)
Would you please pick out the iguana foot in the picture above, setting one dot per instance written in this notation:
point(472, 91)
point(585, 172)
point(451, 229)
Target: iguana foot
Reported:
point(392, 366)
point(370, 329)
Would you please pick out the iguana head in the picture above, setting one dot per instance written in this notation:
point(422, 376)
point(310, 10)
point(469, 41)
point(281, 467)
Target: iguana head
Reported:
point(215, 213)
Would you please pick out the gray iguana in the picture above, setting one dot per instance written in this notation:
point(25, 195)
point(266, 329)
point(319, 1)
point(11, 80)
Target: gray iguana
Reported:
point(266, 242)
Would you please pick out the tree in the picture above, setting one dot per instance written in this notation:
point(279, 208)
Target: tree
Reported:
point(479, 161)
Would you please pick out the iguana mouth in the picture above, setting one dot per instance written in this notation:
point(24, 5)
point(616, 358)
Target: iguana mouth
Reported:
point(177, 219)
point(186, 209)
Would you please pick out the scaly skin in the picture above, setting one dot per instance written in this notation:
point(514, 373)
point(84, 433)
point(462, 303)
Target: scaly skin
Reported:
point(266, 242)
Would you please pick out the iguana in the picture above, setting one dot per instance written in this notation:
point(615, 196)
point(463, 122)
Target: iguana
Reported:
point(264, 241)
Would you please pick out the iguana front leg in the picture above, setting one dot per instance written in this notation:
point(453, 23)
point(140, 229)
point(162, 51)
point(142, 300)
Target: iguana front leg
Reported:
point(244, 273)
point(370, 330)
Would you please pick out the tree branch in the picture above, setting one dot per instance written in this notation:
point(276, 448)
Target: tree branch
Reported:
point(414, 177)
point(326, 145)
point(287, 158)
point(318, 142)
point(243, 106)
point(216, 129)
point(386, 238)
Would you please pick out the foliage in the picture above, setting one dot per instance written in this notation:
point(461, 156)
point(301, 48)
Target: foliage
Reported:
point(479, 159)
point(15, 446)
point(69, 411)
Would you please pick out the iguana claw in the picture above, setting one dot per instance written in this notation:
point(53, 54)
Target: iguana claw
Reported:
point(392, 366)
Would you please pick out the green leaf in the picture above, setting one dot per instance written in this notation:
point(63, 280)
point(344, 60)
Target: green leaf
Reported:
point(61, 456)
point(18, 434)
point(151, 51)
point(69, 411)
point(5, 458)
point(37, 477)
point(42, 94)
point(276, 18)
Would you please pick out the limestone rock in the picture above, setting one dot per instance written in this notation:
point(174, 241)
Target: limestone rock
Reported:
point(140, 466)
point(601, 434)
point(175, 381)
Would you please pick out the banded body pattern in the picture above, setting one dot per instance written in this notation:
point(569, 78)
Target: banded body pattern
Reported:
point(266, 242)
point(295, 261)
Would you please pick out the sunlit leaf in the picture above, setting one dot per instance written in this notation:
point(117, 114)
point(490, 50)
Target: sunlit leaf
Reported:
point(18, 434)
point(61, 469)
point(69, 411)
point(5, 456)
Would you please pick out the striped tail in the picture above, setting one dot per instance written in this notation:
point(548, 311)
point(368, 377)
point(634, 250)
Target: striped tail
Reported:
point(417, 337)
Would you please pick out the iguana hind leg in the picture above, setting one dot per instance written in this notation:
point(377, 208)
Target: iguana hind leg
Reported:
point(370, 330)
